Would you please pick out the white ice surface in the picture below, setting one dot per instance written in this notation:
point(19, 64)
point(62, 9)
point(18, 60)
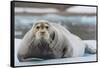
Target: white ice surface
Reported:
point(85, 58)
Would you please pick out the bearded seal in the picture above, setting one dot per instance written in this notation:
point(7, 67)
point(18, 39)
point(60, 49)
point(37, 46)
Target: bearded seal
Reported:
point(49, 40)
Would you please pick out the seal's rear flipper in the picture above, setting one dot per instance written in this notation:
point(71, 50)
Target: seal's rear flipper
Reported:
point(90, 46)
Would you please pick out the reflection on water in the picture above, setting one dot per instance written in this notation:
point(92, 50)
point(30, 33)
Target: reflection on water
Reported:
point(83, 26)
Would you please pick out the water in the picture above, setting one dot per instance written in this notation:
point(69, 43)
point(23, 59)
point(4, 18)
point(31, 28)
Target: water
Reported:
point(83, 26)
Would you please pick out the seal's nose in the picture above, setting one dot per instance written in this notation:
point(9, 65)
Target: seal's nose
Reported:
point(42, 32)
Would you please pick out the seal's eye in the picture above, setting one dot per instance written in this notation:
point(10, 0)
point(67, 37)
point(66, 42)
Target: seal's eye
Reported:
point(46, 27)
point(37, 27)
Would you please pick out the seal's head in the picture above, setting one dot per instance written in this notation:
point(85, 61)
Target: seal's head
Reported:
point(41, 29)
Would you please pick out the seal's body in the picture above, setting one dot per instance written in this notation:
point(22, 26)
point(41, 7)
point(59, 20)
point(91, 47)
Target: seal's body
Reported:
point(48, 40)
